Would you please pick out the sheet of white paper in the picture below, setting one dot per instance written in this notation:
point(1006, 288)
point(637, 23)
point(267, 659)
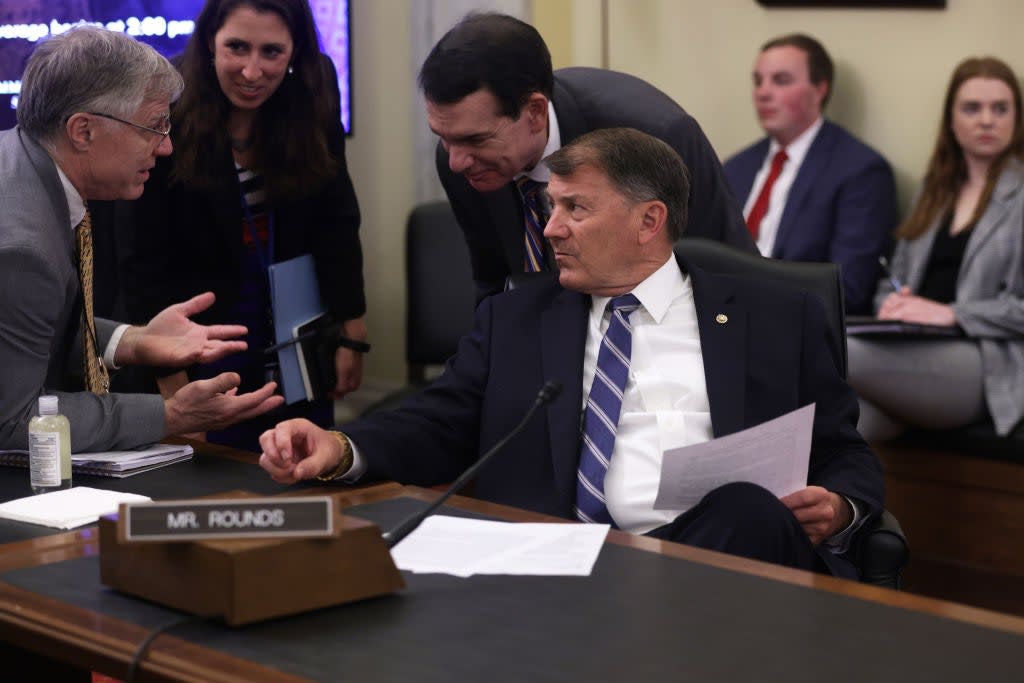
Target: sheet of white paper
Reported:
point(463, 547)
point(774, 454)
point(68, 508)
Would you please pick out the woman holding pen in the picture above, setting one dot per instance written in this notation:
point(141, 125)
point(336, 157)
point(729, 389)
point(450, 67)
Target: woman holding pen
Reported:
point(959, 261)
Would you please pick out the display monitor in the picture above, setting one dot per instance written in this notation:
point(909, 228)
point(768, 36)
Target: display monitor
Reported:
point(164, 24)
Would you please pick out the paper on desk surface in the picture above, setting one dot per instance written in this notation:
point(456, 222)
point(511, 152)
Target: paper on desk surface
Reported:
point(139, 455)
point(68, 508)
point(463, 547)
point(774, 454)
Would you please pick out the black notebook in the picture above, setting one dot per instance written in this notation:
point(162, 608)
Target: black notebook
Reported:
point(317, 345)
point(868, 326)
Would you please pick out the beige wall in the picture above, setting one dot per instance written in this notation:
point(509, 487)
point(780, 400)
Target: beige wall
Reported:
point(892, 67)
point(379, 157)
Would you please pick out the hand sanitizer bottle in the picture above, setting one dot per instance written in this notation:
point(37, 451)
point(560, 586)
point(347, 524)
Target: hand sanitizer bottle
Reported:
point(49, 448)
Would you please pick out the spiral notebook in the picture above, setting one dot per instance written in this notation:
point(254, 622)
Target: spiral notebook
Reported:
point(118, 464)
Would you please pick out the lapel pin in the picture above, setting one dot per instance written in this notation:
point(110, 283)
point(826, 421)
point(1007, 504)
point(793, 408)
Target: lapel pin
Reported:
point(721, 318)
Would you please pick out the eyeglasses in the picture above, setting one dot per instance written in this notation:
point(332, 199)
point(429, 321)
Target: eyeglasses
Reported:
point(166, 124)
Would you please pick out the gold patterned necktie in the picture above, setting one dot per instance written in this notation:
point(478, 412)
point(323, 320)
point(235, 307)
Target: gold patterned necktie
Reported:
point(96, 378)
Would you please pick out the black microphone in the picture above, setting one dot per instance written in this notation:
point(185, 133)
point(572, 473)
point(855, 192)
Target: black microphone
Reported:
point(547, 393)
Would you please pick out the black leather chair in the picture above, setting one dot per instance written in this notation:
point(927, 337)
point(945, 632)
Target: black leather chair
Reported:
point(440, 295)
point(881, 549)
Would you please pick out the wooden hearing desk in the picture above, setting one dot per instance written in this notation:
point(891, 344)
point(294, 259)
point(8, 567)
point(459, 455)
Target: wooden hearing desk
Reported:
point(651, 611)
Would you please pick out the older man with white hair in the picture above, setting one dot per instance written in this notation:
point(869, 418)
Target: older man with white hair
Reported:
point(92, 119)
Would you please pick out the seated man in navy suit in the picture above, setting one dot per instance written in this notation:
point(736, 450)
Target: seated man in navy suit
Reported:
point(810, 190)
point(651, 350)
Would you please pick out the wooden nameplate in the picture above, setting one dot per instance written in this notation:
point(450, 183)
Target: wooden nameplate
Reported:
point(247, 580)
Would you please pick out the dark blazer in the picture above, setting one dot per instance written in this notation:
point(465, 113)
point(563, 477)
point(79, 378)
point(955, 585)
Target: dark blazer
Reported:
point(770, 358)
point(588, 99)
point(40, 314)
point(186, 241)
point(841, 208)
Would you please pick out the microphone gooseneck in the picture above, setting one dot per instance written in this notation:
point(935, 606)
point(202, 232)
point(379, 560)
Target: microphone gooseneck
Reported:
point(547, 393)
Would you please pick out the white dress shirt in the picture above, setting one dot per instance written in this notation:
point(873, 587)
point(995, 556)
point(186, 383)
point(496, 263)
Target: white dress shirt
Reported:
point(540, 172)
point(665, 402)
point(76, 208)
point(796, 151)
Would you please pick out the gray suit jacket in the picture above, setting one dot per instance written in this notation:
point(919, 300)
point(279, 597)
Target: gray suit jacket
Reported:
point(989, 301)
point(40, 313)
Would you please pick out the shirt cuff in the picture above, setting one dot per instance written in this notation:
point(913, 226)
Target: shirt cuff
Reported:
point(358, 468)
point(111, 350)
point(839, 543)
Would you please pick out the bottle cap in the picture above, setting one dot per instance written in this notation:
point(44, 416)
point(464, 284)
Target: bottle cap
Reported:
point(47, 405)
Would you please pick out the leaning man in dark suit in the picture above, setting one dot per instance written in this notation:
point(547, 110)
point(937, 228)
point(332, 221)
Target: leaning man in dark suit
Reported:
point(648, 348)
point(811, 191)
point(92, 119)
point(498, 109)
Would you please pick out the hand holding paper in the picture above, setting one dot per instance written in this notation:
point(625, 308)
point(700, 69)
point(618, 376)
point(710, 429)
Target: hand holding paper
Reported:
point(820, 512)
point(774, 455)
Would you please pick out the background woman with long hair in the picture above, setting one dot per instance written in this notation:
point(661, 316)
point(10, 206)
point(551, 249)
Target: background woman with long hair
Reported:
point(258, 176)
point(959, 262)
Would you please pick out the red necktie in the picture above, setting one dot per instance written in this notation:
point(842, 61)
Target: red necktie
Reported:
point(760, 207)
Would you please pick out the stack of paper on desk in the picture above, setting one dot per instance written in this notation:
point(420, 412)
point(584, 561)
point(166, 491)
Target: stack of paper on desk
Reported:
point(127, 463)
point(118, 464)
point(68, 508)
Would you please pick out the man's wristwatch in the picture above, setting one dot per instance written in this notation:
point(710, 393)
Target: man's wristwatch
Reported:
point(345, 464)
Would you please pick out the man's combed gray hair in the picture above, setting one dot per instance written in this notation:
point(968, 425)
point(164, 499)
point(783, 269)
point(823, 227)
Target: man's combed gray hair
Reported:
point(90, 69)
point(640, 166)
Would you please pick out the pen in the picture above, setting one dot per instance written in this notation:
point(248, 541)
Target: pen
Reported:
point(884, 262)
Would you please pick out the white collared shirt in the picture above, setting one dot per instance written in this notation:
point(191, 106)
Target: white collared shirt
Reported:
point(76, 210)
point(796, 152)
point(541, 173)
point(665, 403)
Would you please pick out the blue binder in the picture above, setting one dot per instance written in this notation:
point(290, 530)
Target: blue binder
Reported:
point(295, 300)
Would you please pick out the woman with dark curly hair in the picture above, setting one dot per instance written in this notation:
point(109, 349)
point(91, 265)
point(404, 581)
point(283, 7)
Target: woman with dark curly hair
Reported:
point(258, 176)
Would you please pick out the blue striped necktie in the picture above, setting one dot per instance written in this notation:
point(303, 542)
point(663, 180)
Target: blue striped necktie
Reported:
point(601, 418)
point(535, 218)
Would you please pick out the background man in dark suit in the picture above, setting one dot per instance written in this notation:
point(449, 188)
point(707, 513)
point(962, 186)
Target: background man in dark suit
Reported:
point(498, 109)
point(93, 118)
point(709, 355)
point(831, 197)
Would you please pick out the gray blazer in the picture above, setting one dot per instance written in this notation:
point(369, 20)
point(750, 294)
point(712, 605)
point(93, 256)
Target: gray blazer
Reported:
point(989, 301)
point(40, 314)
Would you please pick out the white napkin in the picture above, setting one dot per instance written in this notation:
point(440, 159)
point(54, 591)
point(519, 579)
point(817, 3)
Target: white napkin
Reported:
point(68, 508)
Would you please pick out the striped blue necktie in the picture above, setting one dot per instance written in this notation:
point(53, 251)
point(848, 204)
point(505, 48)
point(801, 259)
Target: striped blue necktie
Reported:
point(601, 418)
point(535, 217)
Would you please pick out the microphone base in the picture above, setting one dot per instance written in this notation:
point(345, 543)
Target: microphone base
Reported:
point(249, 580)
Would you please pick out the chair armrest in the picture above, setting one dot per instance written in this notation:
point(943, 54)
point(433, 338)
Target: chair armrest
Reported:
point(883, 551)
